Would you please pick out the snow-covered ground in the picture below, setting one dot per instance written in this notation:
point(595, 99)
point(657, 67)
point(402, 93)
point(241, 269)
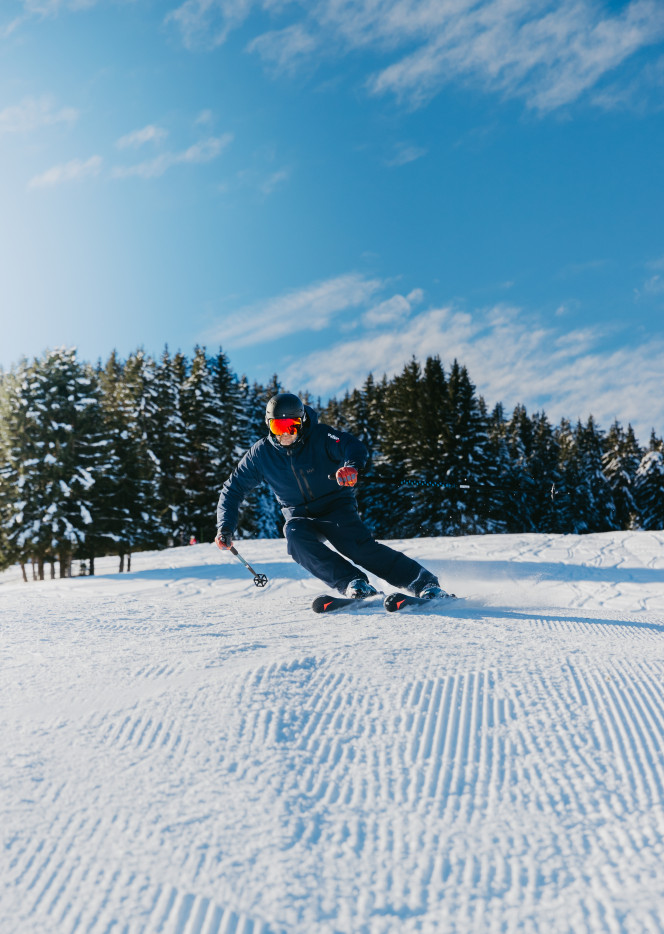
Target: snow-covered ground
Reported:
point(185, 753)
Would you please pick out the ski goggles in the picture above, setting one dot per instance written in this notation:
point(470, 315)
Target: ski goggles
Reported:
point(285, 426)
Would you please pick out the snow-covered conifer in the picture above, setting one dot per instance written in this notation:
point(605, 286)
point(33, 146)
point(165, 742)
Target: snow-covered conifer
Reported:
point(232, 420)
point(649, 485)
point(620, 463)
point(398, 465)
point(203, 425)
point(468, 453)
point(128, 409)
point(169, 446)
point(509, 511)
point(584, 500)
point(435, 442)
point(533, 471)
point(55, 452)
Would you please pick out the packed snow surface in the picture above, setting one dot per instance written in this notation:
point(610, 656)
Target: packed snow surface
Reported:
point(185, 753)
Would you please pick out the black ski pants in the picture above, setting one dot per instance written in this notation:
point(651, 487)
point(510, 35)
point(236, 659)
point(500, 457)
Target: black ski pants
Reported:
point(352, 539)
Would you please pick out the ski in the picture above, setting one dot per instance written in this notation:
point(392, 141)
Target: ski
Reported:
point(394, 602)
point(328, 603)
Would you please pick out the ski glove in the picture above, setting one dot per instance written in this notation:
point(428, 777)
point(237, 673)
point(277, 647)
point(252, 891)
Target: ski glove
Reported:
point(224, 539)
point(347, 476)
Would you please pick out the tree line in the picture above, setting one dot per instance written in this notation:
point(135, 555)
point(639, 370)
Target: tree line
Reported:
point(131, 454)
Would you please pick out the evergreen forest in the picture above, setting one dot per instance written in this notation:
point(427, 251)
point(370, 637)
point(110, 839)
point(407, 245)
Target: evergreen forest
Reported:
point(131, 454)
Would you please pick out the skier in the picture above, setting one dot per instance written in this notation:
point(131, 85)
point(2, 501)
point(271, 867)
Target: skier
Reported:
point(312, 470)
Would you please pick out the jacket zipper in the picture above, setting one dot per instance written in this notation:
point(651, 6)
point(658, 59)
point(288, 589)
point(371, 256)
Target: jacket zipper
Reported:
point(297, 480)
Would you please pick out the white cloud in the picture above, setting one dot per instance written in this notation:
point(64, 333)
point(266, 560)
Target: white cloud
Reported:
point(284, 50)
point(641, 93)
point(209, 22)
point(657, 264)
point(205, 151)
point(548, 52)
point(654, 285)
point(42, 9)
point(8, 28)
point(512, 358)
point(405, 153)
point(52, 7)
point(68, 172)
point(33, 114)
point(149, 134)
point(579, 269)
point(274, 181)
point(392, 310)
point(309, 309)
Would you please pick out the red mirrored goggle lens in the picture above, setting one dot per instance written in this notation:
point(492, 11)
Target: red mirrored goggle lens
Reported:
point(285, 426)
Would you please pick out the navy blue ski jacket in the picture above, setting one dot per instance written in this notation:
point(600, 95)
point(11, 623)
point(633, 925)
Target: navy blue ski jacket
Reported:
point(301, 476)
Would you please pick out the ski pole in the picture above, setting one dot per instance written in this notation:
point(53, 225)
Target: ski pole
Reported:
point(260, 580)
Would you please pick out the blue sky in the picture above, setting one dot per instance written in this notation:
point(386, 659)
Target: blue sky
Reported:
point(325, 188)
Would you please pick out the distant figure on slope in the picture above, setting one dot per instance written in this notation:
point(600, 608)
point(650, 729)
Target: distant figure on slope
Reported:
point(312, 469)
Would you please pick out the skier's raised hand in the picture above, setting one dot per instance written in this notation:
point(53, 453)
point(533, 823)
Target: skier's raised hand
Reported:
point(224, 539)
point(347, 476)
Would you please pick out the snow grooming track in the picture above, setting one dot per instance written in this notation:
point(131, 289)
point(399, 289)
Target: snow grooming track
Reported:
point(182, 756)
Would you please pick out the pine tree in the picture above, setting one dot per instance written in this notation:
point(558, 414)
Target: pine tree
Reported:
point(200, 405)
point(398, 467)
point(129, 407)
point(587, 501)
point(620, 463)
point(231, 417)
point(26, 447)
point(76, 448)
point(595, 489)
point(369, 419)
point(168, 443)
point(120, 481)
point(531, 473)
point(433, 443)
point(18, 479)
point(649, 485)
point(436, 451)
point(511, 443)
point(468, 455)
point(6, 556)
point(55, 453)
point(565, 517)
point(544, 475)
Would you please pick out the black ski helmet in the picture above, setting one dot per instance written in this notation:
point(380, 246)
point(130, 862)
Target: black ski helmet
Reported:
point(284, 405)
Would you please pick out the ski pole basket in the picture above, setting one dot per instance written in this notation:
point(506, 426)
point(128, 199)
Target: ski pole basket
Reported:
point(260, 580)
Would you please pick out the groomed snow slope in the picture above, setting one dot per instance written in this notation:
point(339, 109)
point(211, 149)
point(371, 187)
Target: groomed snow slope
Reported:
point(184, 753)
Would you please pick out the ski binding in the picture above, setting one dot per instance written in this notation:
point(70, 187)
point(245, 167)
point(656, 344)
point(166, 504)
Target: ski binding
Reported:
point(329, 603)
point(396, 601)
